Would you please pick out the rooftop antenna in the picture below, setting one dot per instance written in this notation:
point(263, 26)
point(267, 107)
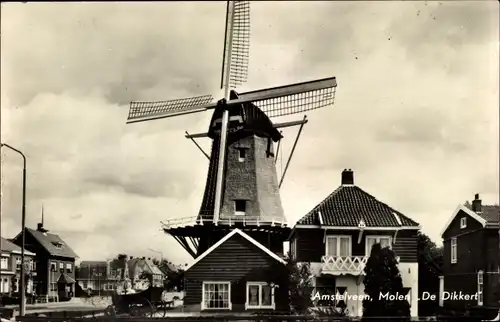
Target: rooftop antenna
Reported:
point(274, 102)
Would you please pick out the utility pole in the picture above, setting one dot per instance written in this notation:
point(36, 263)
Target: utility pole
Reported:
point(22, 305)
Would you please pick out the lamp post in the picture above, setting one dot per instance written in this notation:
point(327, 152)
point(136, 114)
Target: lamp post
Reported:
point(23, 228)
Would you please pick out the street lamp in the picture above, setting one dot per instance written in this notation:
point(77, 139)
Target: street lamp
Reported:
point(23, 228)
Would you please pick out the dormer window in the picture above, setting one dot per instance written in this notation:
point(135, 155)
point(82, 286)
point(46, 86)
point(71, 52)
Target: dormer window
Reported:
point(240, 207)
point(463, 222)
point(57, 245)
point(242, 152)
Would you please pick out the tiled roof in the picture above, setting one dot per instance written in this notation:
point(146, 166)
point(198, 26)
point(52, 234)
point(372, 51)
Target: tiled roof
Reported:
point(349, 204)
point(489, 212)
point(145, 264)
point(8, 246)
point(49, 242)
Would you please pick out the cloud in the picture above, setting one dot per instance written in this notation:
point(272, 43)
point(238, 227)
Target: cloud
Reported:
point(416, 112)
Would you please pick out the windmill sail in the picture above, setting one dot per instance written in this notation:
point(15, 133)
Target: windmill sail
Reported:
point(146, 111)
point(236, 44)
point(293, 99)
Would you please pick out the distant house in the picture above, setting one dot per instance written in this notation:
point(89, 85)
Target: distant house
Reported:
point(97, 276)
point(10, 268)
point(471, 256)
point(231, 276)
point(336, 238)
point(54, 262)
point(138, 268)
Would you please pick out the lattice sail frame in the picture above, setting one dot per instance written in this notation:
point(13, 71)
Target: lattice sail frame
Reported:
point(240, 45)
point(140, 109)
point(297, 103)
point(275, 102)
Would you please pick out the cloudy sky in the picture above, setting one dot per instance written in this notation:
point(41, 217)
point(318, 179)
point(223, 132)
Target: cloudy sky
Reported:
point(416, 114)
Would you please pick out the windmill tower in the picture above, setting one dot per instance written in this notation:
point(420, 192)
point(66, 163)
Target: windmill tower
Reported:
point(242, 188)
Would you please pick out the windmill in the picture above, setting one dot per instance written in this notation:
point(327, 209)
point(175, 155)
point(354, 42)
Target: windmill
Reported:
point(242, 188)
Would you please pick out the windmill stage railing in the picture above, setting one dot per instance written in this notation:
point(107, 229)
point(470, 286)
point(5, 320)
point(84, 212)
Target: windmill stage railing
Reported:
point(225, 220)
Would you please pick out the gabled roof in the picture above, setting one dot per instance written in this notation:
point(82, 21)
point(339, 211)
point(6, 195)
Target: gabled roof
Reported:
point(10, 247)
point(490, 213)
point(349, 205)
point(467, 211)
point(145, 264)
point(50, 242)
point(227, 237)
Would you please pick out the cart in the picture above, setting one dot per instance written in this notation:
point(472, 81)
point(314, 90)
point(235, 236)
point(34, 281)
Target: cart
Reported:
point(147, 303)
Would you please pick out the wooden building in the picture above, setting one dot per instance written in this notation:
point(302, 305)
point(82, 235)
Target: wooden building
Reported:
point(336, 237)
point(54, 262)
point(231, 276)
point(471, 256)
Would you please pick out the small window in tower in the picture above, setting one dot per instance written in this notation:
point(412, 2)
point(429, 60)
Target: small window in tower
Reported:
point(241, 154)
point(240, 207)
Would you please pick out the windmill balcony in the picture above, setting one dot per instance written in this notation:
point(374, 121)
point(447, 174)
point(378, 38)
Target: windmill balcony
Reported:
point(343, 265)
point(225, 220)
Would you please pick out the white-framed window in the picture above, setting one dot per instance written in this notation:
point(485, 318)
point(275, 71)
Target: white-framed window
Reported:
point(69, 268)
point(53, 266)
point(61, 267)
point(260, 295)
point(53, 286)
point(18, 262)
point(338, 246)
point(216, 296)
point(480, 283)
point(4, 263)
point(293, 248)
point(384, 241)
point(240, 207)
point(32, 265)
point(242, 153)
point(463, 222)
point(16, 285)
point(454, 247)
point(4, 285)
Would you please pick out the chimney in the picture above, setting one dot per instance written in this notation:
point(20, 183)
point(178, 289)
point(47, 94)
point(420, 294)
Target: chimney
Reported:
point(347, 177)
point(476, 203)
point(39, 226)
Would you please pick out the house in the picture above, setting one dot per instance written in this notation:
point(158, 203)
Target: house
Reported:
point(231, 276)
point(336, 238)
point(10, 268)
point(54, 262)
point(471, 256)
point(97, 276)
point(138, 268)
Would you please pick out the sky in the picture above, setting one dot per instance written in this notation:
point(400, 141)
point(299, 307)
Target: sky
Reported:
point(416, 113)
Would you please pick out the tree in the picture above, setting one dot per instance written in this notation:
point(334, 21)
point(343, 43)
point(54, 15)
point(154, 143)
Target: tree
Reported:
point(384, 286)
point(430, 261)
point(174, 275)
point(296, 279)
point(299, 286)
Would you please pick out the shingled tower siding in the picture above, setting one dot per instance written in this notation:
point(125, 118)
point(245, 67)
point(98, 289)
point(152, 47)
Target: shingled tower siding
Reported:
point(250, 178)
point(253, 179)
